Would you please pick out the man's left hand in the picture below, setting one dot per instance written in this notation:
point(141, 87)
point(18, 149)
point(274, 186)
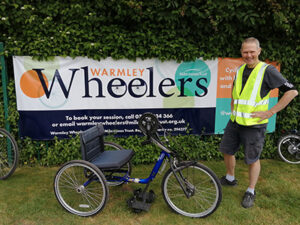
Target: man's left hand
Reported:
point(263, 115)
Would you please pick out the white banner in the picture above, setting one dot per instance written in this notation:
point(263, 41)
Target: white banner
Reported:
point(82, 83)
point(64, 96)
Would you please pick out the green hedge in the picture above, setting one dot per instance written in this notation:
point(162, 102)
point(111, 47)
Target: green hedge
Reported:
point(168, 30)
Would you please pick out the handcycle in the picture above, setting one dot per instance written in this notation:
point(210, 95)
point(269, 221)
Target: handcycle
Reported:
point(289, 147)
point(9, 154)
point(81, 186)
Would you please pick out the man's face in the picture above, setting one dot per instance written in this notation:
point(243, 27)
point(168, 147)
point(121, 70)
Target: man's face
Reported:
point(250, 53)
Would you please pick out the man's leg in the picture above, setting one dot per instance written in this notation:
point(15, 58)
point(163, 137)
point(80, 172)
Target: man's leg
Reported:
point(230, 162)
point(254, 170)
point(229, 145)
point(249, 196)
point(253, 141)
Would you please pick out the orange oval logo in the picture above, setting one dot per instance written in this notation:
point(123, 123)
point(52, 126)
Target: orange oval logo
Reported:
point(31, 85)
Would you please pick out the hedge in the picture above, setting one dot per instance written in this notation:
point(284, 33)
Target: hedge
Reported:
point(181, 30)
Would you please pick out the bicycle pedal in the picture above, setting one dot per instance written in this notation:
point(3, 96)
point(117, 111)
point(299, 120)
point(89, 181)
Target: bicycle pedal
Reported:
point(137, 192)
point(148, 197)
point(137, 205)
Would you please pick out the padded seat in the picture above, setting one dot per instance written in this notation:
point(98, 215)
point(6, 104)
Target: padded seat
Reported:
point(113, 159)
point(93, 150)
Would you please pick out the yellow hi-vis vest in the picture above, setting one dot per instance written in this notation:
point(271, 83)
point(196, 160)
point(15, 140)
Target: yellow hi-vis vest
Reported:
point(249, 100)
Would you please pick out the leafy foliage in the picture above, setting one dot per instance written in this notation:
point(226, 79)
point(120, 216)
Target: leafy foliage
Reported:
point(180, 30)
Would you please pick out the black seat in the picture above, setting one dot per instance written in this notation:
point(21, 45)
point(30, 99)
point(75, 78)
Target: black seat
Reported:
point(93, 150)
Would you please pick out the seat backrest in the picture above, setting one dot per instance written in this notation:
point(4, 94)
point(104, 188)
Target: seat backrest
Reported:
point(91, 142)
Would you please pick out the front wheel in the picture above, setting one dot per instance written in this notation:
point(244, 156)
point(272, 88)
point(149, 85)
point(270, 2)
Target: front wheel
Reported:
point(80, 188)
point(203, 192)
point(289, 148)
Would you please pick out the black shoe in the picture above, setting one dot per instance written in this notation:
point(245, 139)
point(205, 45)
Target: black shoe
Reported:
point(226, 182)
point(248, 199)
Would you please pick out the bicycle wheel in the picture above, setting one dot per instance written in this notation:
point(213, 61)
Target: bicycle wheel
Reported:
point(111, 175)
point(289, 148)
point(9, 154)
point(81, 188)
point(202, 186)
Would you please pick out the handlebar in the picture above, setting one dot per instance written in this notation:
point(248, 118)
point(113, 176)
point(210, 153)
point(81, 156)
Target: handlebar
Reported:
point(149, 124)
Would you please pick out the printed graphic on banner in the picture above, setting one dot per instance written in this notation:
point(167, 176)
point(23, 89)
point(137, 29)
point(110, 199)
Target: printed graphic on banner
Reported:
point(49, 92)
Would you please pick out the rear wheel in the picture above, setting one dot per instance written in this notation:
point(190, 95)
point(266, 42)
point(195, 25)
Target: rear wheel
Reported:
point(9, 154)
point(289, 148)
point(203, 190)
point(113, 176)
point(81, 188)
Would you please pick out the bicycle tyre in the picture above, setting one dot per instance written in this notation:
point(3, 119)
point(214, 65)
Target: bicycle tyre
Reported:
point(9, 154)
point(73, 195)
point(203, 185)
point(126, 169)
point(289, 148)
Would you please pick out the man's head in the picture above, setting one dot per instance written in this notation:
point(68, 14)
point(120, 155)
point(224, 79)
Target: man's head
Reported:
point(250, 50)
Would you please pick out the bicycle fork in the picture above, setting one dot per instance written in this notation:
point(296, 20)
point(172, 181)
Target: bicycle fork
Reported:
point(186, 186)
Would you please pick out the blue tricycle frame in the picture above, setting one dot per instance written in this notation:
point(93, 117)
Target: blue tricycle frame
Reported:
point(81, 186)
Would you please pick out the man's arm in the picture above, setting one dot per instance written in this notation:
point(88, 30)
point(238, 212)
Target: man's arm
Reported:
point(281, 104)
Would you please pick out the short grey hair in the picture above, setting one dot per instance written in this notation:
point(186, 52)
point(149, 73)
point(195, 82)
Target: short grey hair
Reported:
point(251, 40)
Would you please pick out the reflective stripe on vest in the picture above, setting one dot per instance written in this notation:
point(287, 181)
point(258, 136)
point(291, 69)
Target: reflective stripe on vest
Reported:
point(251, 100)
point(257, 82)
point(241, 114)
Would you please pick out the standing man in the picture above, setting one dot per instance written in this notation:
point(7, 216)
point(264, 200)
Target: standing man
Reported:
point(249, 114)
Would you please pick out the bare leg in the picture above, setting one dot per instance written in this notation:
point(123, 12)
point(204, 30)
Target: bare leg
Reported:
point(254, 170)
point(229, 163)
point(249, 196)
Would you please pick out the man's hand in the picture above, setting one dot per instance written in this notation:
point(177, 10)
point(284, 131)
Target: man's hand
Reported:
point(282, 103)
point(262, 115)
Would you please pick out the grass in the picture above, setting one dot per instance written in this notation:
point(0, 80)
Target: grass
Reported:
point(27, 198)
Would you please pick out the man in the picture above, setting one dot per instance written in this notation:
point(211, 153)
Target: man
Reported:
point(249, 114)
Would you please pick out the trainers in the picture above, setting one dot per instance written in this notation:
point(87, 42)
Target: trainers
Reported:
point(226, 182)
point(248, 199)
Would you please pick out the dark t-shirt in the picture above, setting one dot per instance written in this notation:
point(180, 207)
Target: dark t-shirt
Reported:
point(272, 79)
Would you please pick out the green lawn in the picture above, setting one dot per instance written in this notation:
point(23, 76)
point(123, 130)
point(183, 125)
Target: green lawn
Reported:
point(27, 198)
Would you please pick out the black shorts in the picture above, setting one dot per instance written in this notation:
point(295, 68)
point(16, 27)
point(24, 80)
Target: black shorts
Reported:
point(252, 140)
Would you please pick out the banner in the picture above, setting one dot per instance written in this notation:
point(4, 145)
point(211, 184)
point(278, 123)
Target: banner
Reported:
point(65, 96)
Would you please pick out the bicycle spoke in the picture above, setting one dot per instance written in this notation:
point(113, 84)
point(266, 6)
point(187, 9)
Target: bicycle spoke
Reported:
point(202, 188)
point(67, 179)
point(73, 195)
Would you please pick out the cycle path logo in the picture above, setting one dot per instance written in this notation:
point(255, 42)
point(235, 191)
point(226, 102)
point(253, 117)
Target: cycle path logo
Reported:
point(34, 83)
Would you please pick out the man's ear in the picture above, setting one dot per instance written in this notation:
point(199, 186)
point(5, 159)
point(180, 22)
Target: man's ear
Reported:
point(259, 51)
